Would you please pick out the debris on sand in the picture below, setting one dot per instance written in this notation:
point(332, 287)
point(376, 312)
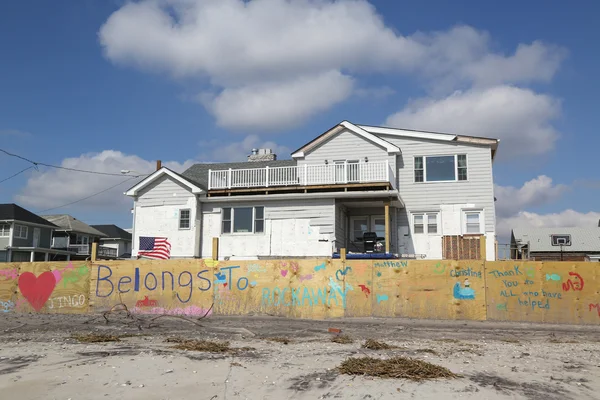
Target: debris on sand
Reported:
point(342, 339)
point(396, 368)
point(283, 340)
point(372, 344)
point(95, 338)
point(200, 345)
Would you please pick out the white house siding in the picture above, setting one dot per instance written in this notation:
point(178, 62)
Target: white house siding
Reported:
point(448, 198)
point(347, 146)
point(293, 228)
point(157, 215)
point(164, 191)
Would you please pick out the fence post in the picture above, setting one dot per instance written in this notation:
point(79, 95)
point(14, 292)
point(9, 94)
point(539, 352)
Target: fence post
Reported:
point(209, 178)
point(229, 179)
point(215, 248)
point(482, 249)
point(94, 251)
point(343, 254)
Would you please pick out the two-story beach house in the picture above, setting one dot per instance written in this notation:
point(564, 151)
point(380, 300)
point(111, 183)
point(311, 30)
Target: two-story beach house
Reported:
point(25, 236)
point(371, 190)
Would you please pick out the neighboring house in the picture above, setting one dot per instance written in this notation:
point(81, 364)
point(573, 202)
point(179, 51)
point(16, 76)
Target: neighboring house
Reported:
point(77, 236)
point(556, 244)
point(420, 194)
point(116, 238)
point(25, 236)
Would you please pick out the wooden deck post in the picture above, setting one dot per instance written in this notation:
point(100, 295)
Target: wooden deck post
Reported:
point(482, 249)
point(94, 251)
point(387, 226)
point(215, 248)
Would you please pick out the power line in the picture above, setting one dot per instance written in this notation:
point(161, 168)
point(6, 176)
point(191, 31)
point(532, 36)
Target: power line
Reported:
point(88, 197)
point(36, 163)
point(12, 176)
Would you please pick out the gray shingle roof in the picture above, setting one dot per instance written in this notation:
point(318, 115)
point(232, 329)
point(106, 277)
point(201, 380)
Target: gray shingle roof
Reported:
point(70, 224)
point(198, 173)
point(13, 212)
point(113, 231)
point(582, 239)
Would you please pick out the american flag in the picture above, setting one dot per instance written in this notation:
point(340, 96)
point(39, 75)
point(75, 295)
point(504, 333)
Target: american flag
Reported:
point(152, 247)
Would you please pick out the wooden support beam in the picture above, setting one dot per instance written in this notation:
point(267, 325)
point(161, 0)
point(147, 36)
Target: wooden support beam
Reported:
point(387, 226)
point(215, 248)
point(482, 249)
point(343, 254)
point(94, 251)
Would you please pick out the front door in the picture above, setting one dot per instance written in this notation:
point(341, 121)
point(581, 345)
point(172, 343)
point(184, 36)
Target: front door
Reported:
point(36, 237)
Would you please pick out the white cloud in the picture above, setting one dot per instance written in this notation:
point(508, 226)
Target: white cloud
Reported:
point(566, 218)
point(215, 151)
point(269, 106)
point(55, 187)
point(260, 50)
point(520, 118)
point(536, 192)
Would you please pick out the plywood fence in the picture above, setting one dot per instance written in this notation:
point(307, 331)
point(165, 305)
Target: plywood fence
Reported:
point(556, 292)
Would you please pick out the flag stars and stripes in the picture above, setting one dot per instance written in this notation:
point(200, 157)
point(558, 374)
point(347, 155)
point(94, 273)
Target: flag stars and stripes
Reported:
point(154, 247)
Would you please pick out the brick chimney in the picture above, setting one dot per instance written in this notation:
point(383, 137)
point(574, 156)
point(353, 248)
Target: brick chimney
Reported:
point(262, 155)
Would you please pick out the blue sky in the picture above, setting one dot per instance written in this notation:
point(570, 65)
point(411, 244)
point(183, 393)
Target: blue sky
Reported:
point(103, 85)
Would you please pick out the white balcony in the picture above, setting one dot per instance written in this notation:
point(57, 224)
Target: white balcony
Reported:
point(86, 250)
point(302, 175)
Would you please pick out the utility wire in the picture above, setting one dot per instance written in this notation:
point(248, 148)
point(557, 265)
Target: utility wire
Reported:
point(36, 163)
point(12, 176)
point(88, 197)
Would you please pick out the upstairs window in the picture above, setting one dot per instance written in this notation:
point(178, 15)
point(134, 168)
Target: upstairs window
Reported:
point(21, 232)
point(441, 168)
point(243, 220)
point(4, 230)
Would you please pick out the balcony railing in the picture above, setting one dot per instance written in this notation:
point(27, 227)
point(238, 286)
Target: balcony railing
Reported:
point(86, 250)
point(302, 175)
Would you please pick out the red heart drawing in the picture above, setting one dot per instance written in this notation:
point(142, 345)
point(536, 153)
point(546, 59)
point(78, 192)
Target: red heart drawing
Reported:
point(37, 290)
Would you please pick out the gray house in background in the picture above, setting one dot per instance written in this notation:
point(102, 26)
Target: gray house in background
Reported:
point(25, 236)
point(76, 236)
point(116, 238)
point(556, 244)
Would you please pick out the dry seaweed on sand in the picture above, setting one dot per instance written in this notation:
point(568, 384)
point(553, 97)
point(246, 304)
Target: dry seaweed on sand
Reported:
point(95, 338)
point(372, 344)
point(201, 345)
point(342, 339)
point(396, 368)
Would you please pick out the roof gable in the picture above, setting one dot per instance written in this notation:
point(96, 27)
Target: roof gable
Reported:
point(331, 133)
point(10, 212)
point(192, 185)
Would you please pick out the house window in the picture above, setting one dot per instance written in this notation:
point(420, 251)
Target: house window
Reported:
point(462, 167)
point(425, 223)
point(419, 171)
point(21, 232)
point(473, 222)
point(4, 230)
point(184, 219)
point(432, 223)
point(82, 239)
point(441, 168)
point(259, 219)
point(243, 220)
